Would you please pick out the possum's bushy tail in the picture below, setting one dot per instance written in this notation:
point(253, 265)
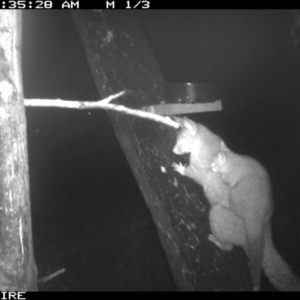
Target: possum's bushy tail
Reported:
point(276, 269)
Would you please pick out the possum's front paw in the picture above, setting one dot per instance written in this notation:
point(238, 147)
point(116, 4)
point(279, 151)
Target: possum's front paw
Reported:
point(180, 168)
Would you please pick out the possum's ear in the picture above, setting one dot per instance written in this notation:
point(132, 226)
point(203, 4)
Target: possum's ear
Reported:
point(189, 125)
point(178, 120)
point(218, 162)
point(223, 147)
point(221, 157)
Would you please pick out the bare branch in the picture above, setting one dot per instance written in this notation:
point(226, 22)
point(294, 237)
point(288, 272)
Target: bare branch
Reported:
point(49, 277)
point(101, 104)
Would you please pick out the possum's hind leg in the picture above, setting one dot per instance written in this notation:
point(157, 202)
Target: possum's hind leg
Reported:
point(227, 229)
point(249, 201)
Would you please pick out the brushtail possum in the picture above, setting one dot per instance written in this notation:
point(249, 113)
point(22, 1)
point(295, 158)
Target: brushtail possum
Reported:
point(238, 188)
point(203, 145)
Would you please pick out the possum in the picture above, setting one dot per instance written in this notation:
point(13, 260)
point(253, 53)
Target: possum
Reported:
point(239, 191)
point(203, 145)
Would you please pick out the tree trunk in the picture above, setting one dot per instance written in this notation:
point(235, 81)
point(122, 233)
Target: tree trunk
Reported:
point(120, 59)
point(17, 267)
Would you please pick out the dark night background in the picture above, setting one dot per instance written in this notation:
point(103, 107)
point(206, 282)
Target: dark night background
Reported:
point(82, 189)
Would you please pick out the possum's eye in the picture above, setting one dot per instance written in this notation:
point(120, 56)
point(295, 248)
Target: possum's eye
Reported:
point(214, 166)
point(181, 148)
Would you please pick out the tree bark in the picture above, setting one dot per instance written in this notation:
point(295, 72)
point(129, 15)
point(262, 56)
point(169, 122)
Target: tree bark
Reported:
point(120, 59)
point(17, 267)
